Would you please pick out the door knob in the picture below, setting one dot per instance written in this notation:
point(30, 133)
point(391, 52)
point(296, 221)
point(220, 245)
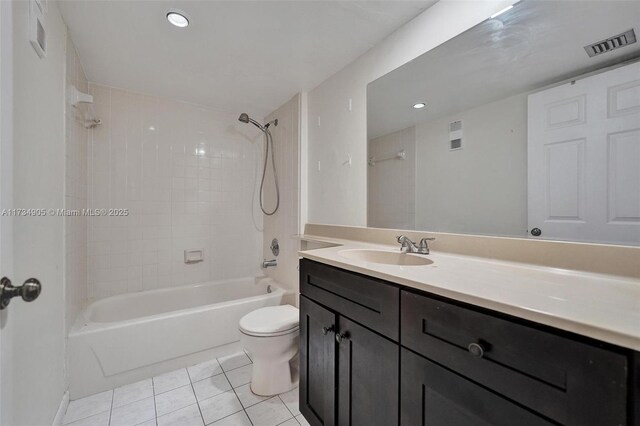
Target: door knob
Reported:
point(29, 291)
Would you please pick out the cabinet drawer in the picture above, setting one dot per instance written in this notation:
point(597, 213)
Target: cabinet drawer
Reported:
point(371, 302)
point(565, 380)
point(432, 395)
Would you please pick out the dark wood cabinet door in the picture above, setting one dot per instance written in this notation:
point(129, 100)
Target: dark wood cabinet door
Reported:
point(317, 363)
point(367, 377)
point(434, 396)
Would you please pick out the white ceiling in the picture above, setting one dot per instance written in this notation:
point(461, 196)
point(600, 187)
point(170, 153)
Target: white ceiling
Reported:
point(535, 44)
point(235, 55)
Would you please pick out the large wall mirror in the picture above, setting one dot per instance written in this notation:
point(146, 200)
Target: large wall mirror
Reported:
point(527, 125)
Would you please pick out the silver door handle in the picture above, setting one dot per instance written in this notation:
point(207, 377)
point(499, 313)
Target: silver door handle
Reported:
point(29, 291)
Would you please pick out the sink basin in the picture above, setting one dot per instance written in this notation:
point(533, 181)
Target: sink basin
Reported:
point(386, 257)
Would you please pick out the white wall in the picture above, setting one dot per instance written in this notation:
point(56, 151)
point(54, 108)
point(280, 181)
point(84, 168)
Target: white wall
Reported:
point(76, 138)
point(188, 176)
point(337, 193)
point(284, 224)
point(482, 188)
point(33, 355)
point(391, 184)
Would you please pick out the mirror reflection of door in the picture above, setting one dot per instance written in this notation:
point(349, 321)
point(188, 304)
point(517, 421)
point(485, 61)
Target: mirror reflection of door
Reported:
point(584, 157)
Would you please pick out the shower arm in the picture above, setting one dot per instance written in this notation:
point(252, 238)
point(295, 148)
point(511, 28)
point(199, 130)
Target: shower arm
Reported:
point(255, 123)
point(266, 126)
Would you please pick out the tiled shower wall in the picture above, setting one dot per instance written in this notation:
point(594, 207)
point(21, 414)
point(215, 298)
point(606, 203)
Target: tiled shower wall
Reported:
point(187, 176)
point(75, 193)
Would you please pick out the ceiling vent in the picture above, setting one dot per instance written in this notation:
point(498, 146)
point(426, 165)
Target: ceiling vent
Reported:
point(455, 135)
point(611, 43)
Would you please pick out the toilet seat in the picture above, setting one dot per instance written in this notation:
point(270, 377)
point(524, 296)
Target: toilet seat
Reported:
point(271, 321)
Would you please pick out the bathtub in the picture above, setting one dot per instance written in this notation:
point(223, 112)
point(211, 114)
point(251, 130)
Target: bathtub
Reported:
point(130, 337)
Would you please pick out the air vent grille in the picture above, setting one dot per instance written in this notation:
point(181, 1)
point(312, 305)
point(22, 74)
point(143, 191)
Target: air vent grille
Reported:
point(455, 135)
point(611, 43)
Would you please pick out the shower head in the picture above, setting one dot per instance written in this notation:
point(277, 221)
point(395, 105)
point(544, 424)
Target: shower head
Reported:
point(244, 118)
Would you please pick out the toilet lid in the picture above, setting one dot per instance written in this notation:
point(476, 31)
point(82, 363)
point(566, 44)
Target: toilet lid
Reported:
point(270, 320)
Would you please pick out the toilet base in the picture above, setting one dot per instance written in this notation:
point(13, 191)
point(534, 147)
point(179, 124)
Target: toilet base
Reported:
point(268, 379)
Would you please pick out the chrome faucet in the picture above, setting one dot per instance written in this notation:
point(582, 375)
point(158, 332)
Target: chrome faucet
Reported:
point(408, 246)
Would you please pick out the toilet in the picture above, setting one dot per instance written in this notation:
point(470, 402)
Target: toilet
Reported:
point(271, 336)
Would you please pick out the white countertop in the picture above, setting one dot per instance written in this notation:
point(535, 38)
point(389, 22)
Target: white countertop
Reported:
point(604, 307)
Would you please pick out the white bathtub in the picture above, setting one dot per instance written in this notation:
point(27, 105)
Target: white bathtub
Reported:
point(130, 337)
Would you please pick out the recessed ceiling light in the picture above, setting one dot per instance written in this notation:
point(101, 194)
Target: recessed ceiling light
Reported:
point(177, 18)
point(419, 105)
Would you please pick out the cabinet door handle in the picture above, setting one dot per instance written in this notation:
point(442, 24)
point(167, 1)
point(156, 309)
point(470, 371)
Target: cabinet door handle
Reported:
point(341, 337)
point(326, 330)
point(476, 349)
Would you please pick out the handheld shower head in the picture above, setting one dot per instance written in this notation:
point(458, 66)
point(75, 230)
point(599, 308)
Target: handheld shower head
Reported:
point(244, 118)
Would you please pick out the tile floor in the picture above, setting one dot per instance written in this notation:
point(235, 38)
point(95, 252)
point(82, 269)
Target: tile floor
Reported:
point(214, 393)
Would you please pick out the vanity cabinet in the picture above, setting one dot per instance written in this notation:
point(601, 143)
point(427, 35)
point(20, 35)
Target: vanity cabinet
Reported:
point(376, 353)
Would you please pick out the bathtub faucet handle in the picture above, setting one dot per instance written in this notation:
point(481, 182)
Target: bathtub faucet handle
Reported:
point(269, 263)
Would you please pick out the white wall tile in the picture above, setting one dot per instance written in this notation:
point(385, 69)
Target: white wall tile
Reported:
point(155, 157)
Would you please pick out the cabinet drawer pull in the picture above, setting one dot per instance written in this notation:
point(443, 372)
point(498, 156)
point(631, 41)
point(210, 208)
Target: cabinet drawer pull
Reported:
point(476, 349)
point(326, 330)
point(341, 337)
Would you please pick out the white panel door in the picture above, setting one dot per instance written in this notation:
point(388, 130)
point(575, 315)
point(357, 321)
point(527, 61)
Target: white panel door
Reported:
point(32, 176)
point(1, 182)
point(584, 158)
